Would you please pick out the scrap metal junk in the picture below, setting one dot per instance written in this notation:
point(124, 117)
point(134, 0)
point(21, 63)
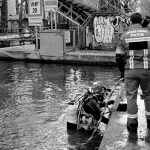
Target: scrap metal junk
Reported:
point(85, 112)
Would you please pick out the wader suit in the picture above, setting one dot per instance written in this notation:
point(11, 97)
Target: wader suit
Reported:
point(135, 46)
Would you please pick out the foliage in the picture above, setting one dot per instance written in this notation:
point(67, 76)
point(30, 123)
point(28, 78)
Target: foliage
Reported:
point(145, 7)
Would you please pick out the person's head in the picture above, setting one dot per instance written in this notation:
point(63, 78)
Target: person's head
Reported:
point(145, 23)
point(136, 18)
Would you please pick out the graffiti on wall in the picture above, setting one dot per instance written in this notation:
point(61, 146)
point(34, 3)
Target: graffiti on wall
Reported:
point(105, 28)
point(120, 23)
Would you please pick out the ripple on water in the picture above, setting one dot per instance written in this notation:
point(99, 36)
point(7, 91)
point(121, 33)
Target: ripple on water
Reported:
point(33, 100)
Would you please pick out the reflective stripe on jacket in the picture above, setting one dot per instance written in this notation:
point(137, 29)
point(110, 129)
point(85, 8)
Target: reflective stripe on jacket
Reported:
point(135, 43)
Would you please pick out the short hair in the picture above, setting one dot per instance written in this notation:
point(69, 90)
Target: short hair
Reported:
point(145, 23)
point(136, 18)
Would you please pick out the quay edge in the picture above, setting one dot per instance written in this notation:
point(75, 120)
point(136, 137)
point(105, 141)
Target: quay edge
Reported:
point(29, 53)
point(117, 137)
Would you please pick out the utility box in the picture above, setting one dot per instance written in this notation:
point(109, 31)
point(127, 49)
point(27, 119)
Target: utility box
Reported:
point(52, 43)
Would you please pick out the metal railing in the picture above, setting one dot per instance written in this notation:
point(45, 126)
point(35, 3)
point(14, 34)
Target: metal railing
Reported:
point(71, 41)
point(15, 37)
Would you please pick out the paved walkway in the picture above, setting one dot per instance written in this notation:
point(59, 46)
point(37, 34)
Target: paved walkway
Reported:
point(92, 57)
point(92, 52)
point(117, 137)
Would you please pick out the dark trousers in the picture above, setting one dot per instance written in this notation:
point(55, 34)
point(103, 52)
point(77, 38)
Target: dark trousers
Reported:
point(133, 79)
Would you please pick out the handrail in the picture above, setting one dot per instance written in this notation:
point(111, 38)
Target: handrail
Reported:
point(67, 18)
point(12, 37)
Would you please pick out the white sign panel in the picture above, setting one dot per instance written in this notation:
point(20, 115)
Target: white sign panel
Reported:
point(51, 5)
point(35, 21)
point(35, 12)
point(35, 8)
point(67, 36)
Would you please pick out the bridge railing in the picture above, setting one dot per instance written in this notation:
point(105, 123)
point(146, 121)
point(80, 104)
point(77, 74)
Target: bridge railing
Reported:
point(17, 37)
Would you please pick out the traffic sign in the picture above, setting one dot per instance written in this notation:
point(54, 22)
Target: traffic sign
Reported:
point(35, 8)
point(35, 12)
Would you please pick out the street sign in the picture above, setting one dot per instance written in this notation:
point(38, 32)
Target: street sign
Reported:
point(35, 16)
point(35, 13)
point(51, 5)
point(35, 21)
point(35, 8)
point(67, 37)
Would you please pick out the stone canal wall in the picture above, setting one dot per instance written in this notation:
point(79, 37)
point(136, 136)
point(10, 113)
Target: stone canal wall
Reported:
point(28, 52)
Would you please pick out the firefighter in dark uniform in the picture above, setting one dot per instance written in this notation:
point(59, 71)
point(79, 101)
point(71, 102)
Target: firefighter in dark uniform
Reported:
point(134, 49)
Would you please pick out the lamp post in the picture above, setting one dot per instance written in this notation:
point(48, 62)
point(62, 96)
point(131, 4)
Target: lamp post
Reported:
point(10, 17)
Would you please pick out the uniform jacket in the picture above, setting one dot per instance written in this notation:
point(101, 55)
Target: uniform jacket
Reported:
point(135, 45)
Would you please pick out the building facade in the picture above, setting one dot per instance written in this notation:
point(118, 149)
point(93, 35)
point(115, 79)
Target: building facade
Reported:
point(0, 9)
point(8, 14)
point(100, 22)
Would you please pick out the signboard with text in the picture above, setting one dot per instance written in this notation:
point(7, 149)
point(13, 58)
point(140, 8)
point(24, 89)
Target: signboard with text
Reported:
point(67, 37)
point(35, 21)
point(35, 12)
point(51, 5)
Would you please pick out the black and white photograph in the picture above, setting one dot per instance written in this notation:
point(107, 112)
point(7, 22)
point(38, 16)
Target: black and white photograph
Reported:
point(74, 74)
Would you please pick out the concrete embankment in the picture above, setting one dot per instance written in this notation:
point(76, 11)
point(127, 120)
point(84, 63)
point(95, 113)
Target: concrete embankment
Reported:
point(28, 52)
point(117, 137)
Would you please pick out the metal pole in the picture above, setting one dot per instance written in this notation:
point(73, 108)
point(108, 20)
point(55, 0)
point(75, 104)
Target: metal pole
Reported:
point(71, 14)
point(74, 40)
point(78, 36)
point(11, 26)
point(51, 17)
point(55, 19)
point(36, 34)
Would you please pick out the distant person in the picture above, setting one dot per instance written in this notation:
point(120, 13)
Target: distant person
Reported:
point(145, 23)
point(120, 62)
point(134, 45)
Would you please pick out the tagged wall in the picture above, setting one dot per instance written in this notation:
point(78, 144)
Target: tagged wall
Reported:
point(107, 30)
point(103, 30)
point(120, 23)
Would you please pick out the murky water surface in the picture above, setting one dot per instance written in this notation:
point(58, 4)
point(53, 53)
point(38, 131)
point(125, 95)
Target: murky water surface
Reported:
point(33, 102)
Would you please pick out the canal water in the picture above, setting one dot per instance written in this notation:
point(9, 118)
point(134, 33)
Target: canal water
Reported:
point(33, 102)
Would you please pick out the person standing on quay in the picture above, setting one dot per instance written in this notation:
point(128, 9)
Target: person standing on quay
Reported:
point(134, 47)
